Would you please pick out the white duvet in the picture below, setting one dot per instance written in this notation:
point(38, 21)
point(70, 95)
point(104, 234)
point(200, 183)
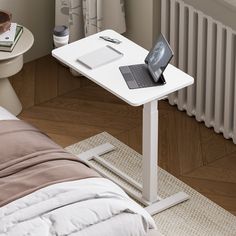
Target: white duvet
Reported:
point(89, 207)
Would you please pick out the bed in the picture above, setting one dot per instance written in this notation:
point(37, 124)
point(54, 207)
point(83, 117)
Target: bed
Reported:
point(45, 190)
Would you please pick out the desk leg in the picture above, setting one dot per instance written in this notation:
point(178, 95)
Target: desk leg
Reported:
point(150, 161)
point(150, 151)
point(148, 190)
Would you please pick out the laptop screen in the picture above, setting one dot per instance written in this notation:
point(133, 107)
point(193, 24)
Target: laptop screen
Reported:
point(159, 57)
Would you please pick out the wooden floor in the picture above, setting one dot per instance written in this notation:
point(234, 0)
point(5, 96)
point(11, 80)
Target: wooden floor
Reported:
point(187, 149)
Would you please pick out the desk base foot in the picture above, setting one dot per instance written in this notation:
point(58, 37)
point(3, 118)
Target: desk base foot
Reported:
point(135, 192)
point(166, 203)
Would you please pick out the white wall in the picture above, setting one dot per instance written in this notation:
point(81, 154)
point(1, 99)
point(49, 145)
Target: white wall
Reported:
point(139, 21)
point(38, 17)
point(217, 9)
point(220, 10)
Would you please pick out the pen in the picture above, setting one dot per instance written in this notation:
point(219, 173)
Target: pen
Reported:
point(106, 38)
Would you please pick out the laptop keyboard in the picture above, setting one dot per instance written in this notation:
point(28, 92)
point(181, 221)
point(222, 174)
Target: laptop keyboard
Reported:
point(142, 76)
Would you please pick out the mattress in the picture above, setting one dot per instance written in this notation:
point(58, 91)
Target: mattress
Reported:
point(6, 115)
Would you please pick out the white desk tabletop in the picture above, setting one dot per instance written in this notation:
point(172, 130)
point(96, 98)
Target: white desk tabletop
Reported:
point(109, 77)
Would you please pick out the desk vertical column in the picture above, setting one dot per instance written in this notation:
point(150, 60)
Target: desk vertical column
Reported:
point(150, 151)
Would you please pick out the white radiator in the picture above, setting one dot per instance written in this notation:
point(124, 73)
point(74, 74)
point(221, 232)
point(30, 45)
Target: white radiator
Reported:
point(205, 49)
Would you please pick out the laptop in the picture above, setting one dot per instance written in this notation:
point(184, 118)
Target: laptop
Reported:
point(151, 73)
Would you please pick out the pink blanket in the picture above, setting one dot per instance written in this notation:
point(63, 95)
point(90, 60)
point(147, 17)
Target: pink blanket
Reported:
point(30, 160)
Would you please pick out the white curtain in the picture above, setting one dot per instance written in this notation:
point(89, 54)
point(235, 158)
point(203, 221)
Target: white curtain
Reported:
point(86, 17)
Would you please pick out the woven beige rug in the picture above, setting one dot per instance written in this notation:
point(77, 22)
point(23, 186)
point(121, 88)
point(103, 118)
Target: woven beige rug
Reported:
point(197, 216)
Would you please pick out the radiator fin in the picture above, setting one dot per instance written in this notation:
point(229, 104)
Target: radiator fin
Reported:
point(181, 102)
point(174, 7)
point(191, 50)
point(210, 75)
point(219, 81)
point(234, 78)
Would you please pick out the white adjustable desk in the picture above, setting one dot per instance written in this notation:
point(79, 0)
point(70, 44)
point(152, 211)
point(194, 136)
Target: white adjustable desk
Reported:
point(109, 77)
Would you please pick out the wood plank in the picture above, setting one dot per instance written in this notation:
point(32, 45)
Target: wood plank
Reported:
point(189, 146)
point(228, 203)
point(233, 212)
point(41, 80)
point(103, 108)
point(214, 173)
point(123, 137)
point(66, 81)
point(77, 117)
point(24, 84)
point(135, 139)
point(46, 75)
point(228, 162)
point(230, 146)
point(78, 130)
point(167, 142)
point(94, 93)
point(85, 82)
point(132, 138)
point(63, 140)
point(213, 145)
point(164, 105)
point(210, 186)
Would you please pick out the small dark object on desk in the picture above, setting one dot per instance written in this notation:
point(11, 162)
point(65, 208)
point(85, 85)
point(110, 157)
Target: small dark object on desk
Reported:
point(108, 39)
point(5, 21)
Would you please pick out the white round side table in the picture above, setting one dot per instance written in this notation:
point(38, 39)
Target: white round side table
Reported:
point(10, 64)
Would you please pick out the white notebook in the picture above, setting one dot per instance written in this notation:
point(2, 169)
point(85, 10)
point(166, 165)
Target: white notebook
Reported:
point(100, 57)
